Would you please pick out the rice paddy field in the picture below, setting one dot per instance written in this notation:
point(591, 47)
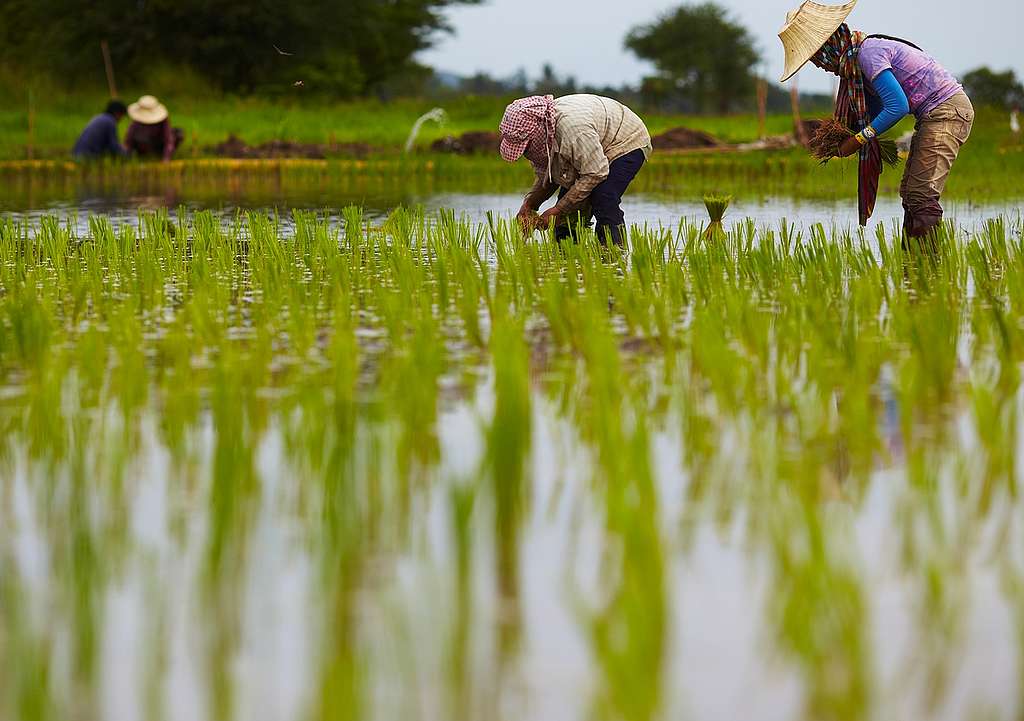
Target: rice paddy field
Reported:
point(207, 118)
point(334, 440)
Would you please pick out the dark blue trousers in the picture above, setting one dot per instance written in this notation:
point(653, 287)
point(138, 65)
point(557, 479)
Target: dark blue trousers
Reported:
point(606, 201)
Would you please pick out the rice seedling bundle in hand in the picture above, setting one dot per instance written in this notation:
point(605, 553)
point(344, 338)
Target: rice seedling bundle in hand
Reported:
point(530, 222)
point(830, 135)
point(716, 205)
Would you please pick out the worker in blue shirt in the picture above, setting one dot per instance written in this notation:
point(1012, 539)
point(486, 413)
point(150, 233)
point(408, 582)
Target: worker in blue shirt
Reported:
point(99, 139)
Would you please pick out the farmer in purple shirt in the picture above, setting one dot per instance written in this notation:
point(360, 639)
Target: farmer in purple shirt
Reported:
point(99, 138)
point(883, 80)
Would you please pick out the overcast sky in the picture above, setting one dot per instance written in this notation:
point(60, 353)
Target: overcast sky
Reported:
point(583, 38)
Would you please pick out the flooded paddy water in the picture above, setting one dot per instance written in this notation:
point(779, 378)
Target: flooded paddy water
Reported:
point(655, 210)
point(366, 463)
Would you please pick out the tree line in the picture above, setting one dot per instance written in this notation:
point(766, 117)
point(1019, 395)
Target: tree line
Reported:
point(340, 47)
point(704, 59)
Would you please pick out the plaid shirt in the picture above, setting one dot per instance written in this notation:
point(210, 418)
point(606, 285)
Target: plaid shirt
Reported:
point(590, 133)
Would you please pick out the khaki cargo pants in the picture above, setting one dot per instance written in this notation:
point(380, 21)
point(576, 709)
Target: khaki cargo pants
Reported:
point(937, 141)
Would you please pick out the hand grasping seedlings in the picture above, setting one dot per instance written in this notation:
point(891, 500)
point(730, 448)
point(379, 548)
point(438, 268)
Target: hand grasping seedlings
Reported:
point(529, 221)
point(831, 134)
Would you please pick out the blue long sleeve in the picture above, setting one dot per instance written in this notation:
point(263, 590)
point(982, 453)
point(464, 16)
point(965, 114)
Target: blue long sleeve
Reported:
point(895, 105)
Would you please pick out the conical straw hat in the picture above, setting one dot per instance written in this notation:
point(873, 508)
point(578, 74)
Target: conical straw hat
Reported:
point(807, 28)
point(148, 110)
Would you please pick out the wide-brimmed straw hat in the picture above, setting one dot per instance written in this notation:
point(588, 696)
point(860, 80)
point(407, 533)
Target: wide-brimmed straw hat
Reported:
point(148, 110)
point(806, 30)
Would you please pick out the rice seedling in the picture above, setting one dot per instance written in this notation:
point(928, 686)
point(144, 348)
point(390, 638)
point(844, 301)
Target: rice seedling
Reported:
point(825, 142)
point(410, 458)
point(716, 205)
point(529, 222)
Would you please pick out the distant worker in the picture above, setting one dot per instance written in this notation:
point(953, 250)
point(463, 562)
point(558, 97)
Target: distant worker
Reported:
point(99, 139)
point(587, 146)
point(150, 135)
point(882, 79)
point(1015, 121)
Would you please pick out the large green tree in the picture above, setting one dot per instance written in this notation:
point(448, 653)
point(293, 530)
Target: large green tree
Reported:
point(1000, 90)
point(344, 47)
point(701, 54)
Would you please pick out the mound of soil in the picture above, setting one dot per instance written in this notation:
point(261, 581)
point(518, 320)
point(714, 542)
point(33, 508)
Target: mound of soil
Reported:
point(235, 147)
point(472, 143)
point(684, 139)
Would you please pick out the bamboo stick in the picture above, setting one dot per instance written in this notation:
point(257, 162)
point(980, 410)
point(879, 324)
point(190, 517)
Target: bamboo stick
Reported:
point(30, 148)
point(109, 67)
point(762, 107)
point(794, 99)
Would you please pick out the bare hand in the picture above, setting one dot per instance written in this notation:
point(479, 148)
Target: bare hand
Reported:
point(849, 146)
point(550, 214)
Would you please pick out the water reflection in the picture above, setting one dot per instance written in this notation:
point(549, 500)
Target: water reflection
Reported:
point(123, 198)
point(407, 468)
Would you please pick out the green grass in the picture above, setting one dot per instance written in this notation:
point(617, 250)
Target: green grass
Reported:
point(398, 421)
point(208, 117)
point(382, 125)
point(985, 173)
point(988, 170)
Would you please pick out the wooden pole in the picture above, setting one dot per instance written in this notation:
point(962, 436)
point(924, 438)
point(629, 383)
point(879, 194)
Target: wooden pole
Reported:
point(762, 106)
point(794, 100)
point(109, 66)
point(30, 147)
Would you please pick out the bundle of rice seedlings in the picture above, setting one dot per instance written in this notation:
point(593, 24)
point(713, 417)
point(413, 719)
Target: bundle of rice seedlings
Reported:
point(530, 222)
point(716, 205)
point(831, 134)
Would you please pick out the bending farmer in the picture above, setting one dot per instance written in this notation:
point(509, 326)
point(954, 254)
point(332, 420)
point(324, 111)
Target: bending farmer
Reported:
point(150, 134)
point(882, 80)
point(587, 146)
point(99, 139)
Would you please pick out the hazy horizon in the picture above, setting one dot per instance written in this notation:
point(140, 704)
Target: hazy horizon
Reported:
point(588, 43)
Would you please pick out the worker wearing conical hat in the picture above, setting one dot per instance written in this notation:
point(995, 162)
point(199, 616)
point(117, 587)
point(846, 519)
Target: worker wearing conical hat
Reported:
point(151, 134)
point(883, 79)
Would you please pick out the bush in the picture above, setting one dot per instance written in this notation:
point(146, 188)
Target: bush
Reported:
point(999, 90)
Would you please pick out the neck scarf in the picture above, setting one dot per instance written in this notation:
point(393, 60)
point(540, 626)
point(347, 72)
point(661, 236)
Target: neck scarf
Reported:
point(839, 56)
point(532, 119)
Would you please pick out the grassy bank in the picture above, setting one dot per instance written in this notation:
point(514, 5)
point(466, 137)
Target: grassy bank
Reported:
point(383, 126)
point(988, 171)
point(989, 168)
point(48, 116)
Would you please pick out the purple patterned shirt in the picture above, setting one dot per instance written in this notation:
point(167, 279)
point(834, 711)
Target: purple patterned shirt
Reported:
point(926, 83)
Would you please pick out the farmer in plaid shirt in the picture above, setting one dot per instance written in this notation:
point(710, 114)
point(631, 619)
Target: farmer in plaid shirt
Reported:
point(588, 147)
